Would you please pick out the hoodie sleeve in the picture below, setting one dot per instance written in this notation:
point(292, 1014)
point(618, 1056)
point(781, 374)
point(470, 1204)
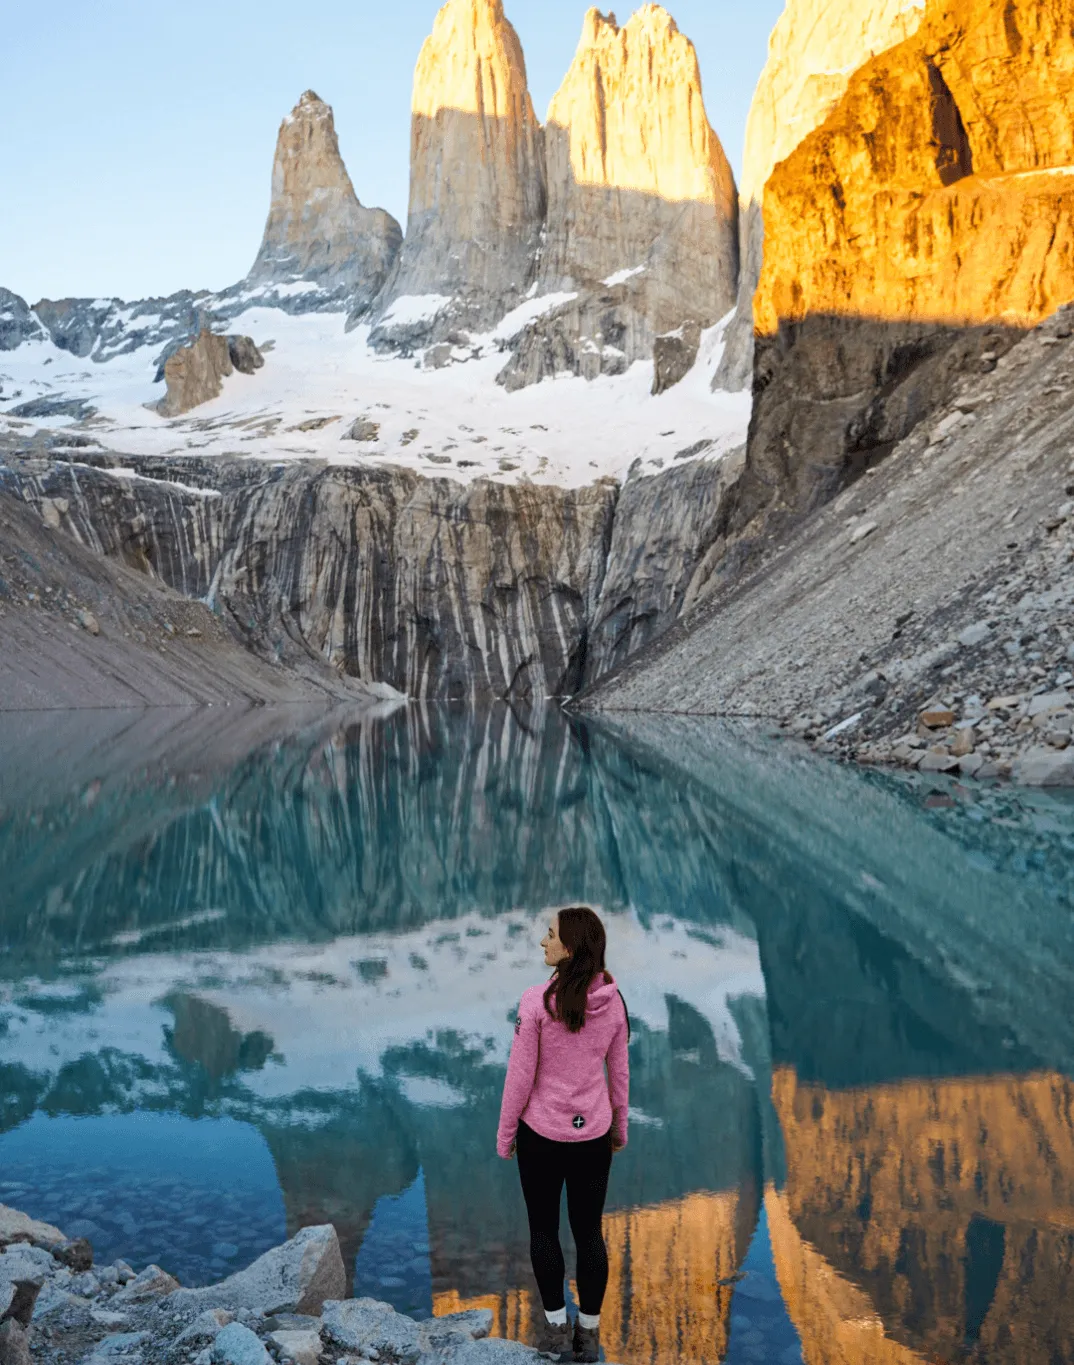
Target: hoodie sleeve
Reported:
point(619, 1080)
point(521, 1071)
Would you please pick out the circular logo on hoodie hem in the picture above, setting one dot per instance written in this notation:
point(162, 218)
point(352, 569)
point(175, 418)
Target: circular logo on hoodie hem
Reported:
point(578, 1121)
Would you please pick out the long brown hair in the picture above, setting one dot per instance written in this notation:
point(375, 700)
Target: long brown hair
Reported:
point(582, 934)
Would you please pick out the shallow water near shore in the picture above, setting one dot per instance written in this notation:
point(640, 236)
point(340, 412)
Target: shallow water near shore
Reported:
point(260, 971)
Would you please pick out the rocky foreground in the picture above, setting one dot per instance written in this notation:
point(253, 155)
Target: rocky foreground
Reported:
point(59, 1307)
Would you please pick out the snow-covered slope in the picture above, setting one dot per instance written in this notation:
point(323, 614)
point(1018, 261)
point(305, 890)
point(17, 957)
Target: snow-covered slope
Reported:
point(325, 394)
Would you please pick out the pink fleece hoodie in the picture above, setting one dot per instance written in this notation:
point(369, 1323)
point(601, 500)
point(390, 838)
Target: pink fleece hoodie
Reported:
point(570, 1087)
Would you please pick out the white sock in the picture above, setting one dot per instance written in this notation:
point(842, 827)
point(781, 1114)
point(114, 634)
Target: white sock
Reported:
point(590, 1321)
point(558, 1318)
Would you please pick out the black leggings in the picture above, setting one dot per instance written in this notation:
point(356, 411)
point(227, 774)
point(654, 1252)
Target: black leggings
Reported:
point(544, 1167)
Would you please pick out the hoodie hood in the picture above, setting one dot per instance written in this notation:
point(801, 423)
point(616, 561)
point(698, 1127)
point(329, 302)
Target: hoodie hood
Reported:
point(602, 995)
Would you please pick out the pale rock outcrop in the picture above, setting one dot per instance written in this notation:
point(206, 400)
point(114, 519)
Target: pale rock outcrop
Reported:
point(642, 208)
point(814, 50)
point(195, 373)
point(317, 231)
point(477, 181)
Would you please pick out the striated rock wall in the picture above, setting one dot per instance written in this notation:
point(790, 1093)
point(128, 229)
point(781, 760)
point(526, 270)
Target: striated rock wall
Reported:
point(813, 51)
point(664, 533)
point(477, 180)
point(317, 231)
point(440, 589)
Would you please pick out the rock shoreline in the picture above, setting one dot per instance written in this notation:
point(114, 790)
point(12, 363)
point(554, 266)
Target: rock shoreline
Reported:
point(59, 1307)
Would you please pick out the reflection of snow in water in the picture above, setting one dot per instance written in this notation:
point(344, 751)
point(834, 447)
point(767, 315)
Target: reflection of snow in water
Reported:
point(332, 1011)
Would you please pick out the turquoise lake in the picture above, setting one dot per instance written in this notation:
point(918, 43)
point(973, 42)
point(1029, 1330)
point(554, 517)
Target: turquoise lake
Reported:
point(260, 971)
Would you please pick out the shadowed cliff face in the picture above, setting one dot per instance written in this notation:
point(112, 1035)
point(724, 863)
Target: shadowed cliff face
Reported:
point(439, 589)
point(934, 204)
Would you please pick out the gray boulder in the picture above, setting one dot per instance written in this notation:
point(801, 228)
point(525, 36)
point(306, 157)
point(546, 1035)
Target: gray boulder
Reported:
point(1045, 768)
point(237, 1345)
point(366, 1325)
point(19, 1227)
point(151, 1283)
point(14, 1347)
point(297, 1277)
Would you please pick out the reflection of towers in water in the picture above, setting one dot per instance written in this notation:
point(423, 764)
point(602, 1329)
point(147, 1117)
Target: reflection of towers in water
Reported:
point(665, 1302)
point(928, 1220)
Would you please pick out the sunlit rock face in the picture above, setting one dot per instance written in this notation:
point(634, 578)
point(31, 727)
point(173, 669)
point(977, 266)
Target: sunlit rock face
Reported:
point(317, 231)
point(927, 221)
point(814, 50)
point(642, 211)
point(477, 179)
point(636, 175)
point(944, 1208)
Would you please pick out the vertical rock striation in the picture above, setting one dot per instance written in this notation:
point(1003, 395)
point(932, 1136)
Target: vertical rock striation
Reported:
point(317, 231)
point(814, 50)
point(477, 181)
point(642, 211)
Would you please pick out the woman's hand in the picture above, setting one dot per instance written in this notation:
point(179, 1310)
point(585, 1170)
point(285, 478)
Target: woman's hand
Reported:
point(617, 1146)
point(512, 1151)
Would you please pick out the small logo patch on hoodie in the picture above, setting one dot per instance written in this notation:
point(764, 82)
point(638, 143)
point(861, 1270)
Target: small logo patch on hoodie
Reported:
point(579, 1121)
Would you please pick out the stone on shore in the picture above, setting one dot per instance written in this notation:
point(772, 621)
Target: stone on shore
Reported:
point(297, 1277)
point(18, 1227)
point(14, 1347)
point(367, 1325)
point(238, 1345)
point(301, 1348)
point(1045, 768)
point(151, 1283)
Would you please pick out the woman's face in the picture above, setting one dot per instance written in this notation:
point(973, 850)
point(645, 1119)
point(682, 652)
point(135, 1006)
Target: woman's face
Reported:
point(554, 951)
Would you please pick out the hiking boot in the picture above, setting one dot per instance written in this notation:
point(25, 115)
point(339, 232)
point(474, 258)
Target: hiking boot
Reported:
point(554, 1341)
point(586, 1343)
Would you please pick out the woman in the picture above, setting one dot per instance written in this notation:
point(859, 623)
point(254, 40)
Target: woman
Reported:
point(564, 1112)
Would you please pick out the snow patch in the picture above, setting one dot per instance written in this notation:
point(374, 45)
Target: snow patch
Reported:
point(621, 276)
point(520, 317)
point(410, 309)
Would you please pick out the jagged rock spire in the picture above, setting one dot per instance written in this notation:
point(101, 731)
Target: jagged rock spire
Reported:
point(317, 230)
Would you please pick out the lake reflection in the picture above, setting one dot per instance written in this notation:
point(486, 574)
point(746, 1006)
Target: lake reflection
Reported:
point(260, 972)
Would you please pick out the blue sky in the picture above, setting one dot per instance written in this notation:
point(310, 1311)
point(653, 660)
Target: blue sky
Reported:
point(136, 140)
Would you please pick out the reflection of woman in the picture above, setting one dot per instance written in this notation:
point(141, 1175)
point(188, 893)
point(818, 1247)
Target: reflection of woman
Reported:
point(565, 1112)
